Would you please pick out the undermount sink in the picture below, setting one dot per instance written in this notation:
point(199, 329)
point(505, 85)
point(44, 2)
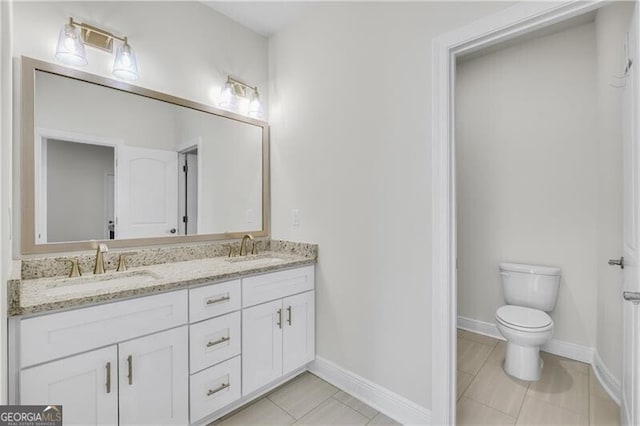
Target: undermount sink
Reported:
point(107, 281)
point(255, 260)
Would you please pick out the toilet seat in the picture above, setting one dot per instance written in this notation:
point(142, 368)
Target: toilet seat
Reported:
point(524, 319)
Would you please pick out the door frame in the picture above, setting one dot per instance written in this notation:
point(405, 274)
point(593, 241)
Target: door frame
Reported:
point(42, 135)
point(512, 22)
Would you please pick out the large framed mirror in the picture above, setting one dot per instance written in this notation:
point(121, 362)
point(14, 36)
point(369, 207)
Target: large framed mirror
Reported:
point(106, 161)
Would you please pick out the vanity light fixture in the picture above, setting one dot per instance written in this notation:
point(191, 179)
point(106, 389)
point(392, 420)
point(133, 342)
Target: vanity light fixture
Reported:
point(74, 35)
point(234, 90)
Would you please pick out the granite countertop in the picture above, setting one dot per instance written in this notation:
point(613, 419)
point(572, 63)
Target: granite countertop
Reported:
point(40, 295)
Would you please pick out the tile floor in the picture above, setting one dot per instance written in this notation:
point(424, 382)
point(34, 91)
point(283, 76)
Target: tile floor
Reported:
point(567, 394)
point(306, 400)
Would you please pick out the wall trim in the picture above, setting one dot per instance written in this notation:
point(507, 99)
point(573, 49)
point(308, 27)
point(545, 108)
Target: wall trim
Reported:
point(557, 347)
point(512, 22)
point(382, 399)
point(608, 381)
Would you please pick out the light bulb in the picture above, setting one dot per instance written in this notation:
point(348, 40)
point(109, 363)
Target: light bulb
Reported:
point(125, 65)
point(70, 49)
point(255, 106)
point(227, 97)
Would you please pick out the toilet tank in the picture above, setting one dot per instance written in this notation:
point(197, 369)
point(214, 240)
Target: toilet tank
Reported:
point(531, 286)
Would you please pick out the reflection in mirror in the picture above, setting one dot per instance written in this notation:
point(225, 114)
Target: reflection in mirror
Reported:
point(116, 165)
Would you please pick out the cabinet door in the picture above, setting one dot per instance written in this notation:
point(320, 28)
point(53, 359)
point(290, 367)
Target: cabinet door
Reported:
point(299, 331)
point(85, 385)
point(154, 379)
point(261, 345)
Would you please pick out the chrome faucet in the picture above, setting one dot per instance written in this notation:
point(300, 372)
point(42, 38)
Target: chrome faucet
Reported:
point(243, 245)
point(99, 265)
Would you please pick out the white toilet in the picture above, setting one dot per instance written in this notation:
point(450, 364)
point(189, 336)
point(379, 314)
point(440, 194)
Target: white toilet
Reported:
point(530, 292)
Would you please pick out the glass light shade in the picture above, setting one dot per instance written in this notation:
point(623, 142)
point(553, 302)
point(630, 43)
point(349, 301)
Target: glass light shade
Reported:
point(125, 65)
point(70, 49)
point(255, 106)
point(227, 97)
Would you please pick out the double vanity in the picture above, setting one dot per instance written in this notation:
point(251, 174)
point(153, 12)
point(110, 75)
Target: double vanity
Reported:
point(162, 343)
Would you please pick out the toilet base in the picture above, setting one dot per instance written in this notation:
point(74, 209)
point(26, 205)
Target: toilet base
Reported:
point(523, 362)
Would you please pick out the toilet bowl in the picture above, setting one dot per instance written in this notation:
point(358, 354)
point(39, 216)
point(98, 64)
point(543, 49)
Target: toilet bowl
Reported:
point(530, 292)
point(525, 329)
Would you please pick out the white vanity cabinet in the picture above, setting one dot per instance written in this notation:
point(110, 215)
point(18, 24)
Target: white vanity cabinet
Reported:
point(181, 357)
point(145, 379)
point(84, 384)
point(278, 336)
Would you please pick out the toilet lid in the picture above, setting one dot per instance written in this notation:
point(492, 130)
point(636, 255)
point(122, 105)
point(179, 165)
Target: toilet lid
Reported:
point(519, 316)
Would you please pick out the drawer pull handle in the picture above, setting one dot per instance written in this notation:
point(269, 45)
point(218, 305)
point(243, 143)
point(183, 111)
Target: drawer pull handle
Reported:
point(108, 377)
point(217, 342)
point(289, 315)
point(218, 300)
point(279, 318)
point(130, 365)
point(218, 389)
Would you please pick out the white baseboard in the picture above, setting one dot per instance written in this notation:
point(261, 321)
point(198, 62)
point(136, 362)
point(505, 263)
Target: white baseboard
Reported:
point(387, 402)
point(554, 346)
point(608, 381)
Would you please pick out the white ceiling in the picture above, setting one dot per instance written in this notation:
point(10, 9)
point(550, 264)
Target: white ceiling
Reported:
point(263, 17)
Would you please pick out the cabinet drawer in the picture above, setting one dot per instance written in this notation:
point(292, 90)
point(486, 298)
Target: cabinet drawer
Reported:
point(263, 288)
point(214, 340)
point(213, 300)
point(213, 388)
point(66, 333)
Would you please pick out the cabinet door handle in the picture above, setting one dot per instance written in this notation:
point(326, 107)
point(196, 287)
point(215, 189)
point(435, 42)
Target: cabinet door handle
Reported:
point(218, 300)
point(217, 342)
point(109, 377)
point(279, 318)
point(218, 389)
point(289, 315)
point(130, 365)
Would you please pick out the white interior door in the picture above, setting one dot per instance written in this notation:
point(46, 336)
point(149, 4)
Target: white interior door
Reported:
point(147, 203)
point(631, 235)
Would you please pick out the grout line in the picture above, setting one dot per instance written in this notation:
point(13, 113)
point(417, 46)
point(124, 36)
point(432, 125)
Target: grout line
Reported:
point(493, 408)
point(353, 408)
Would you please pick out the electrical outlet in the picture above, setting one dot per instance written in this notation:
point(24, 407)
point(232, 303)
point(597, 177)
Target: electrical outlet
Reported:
point(295, 216)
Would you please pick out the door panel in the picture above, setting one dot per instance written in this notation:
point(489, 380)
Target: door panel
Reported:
point(154, 382)
point(261, 345)
point(631, 195)
point(298, 346)
point(147, 192)
point(79, 383)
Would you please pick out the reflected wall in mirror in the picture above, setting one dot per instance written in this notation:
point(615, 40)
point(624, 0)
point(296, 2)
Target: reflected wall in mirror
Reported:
point(134, 168)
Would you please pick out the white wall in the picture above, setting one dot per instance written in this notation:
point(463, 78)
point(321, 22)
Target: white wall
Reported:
point(350, 131)
point(77, 190)
point(184, 49)
point(6, 135)
point(527, 173)
point(611, 25)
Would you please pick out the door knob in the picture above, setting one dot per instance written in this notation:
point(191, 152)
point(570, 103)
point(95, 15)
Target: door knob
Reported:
point(617, 262)
point(631, 296)
point(173, 230)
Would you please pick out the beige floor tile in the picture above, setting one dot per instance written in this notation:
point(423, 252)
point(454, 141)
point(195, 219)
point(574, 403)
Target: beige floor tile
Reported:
point(603, 411)
point(595, 388)
point(569, 364)
point(463, 380)
point(472, 355)
point(497, 354)
point(302, 394)
point(381, 419)
point(563, 385)
point(537, 412)
point(478, 338)
point(333, 412)
point(494, 388)
point(356, 404)
point(470, 412)
point(263, 412)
